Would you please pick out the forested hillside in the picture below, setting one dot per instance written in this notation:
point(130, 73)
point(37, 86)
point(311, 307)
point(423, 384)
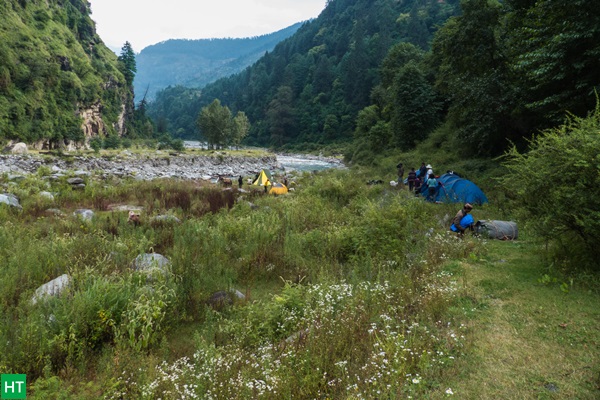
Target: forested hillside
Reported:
point(386, 75)
point(195, 63)
point(55, 72)
point(311, 87)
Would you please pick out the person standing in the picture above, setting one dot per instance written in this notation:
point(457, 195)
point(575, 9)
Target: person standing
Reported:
point(240, 181)
point(412, 175)
point(400, 175)
point(429, 170)
point(462, 220)
point(417, 186)
point(423, 172)
point(431, 187)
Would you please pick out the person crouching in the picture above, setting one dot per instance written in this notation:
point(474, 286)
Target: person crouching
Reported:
point(462, 221)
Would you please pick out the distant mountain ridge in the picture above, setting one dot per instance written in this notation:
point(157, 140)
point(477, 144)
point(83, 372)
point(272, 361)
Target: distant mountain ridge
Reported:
point(196, 63)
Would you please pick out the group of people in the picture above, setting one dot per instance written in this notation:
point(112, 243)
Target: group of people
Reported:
point(425, 176)
point(415, 179)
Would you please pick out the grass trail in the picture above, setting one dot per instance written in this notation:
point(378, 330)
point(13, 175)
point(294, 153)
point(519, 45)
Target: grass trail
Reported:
point(528, 339)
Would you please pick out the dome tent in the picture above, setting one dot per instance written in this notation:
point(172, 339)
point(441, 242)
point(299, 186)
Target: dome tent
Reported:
point(454, 189)
point(278, 188)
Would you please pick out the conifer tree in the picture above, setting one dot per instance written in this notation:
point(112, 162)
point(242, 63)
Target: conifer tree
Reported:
point(127, 63)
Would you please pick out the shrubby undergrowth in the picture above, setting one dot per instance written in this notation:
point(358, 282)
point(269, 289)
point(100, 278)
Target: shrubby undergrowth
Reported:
point(556, 186)
point(346, 291)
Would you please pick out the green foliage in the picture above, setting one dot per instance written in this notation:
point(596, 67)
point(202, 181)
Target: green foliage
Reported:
point(371, 134)
point(53, 67)
point(556, 184)
point(111, 142)
point(471, 70)
point(241, 127)
point(415, 110)
point(310, 88)
point(218, 128)
point(127, 63)
point(96, 144)
point(145, 318)
point(167, 142)
point(558, 59)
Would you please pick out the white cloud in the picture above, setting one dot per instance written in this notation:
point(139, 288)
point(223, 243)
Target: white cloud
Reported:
point(145, 22)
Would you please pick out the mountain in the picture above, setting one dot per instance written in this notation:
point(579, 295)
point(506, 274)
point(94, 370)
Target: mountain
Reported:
point(195, 63)
point(59, 83)
point(310, 88)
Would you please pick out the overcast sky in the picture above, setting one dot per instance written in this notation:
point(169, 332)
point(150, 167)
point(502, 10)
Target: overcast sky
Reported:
point(146, 22)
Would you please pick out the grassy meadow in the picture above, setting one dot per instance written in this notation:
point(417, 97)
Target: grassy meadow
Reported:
point(350, 292)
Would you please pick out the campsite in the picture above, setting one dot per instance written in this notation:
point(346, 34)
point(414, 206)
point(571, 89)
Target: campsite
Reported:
point(235, 276)
point(135, 265)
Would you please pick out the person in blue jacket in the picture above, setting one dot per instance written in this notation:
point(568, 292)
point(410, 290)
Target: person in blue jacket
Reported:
point(463, 220)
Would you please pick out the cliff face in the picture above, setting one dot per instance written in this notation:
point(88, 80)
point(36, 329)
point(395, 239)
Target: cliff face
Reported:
point(59, 84)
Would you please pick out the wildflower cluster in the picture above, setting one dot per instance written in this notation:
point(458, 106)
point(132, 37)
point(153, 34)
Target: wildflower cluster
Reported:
point(446, 246)
point(343, 340)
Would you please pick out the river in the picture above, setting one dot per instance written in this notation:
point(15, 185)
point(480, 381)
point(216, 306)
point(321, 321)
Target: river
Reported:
point(291, 162)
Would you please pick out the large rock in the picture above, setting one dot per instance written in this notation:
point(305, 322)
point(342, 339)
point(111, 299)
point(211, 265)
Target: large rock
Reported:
point(19, 148)
point(53, 288)
point(47, 195)
point(11, 200)
point(151, 263)
point(223, 298)
point(75, 181)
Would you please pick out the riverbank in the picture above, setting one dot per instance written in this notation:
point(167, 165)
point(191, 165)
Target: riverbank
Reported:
point(159, 164)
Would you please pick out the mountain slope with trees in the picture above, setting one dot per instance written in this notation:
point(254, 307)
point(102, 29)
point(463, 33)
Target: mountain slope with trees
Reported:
point(58, 82)
point(383, 75)
point(311, 86)
point(195, 63)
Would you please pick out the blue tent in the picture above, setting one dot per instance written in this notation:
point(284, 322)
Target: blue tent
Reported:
point(454, 189)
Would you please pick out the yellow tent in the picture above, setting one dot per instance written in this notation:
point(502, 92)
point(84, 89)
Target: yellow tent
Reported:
point(278, 188)
point(264, 179)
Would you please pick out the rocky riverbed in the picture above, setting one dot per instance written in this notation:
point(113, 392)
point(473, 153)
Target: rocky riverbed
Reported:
point(156, 165)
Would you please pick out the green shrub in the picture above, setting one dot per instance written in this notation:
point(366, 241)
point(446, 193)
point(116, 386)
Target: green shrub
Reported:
point(96, 144)
point(111, 141)
point(556, 184)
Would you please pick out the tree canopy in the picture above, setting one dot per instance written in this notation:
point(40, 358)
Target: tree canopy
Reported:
point(218, 128)
point(487, 73)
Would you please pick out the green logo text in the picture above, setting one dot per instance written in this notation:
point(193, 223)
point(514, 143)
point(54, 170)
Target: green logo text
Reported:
point(13, 386)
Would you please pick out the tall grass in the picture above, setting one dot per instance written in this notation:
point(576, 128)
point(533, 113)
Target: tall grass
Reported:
point(346, 293)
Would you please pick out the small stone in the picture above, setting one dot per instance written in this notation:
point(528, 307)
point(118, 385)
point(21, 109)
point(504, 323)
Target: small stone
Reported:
point(84, 214)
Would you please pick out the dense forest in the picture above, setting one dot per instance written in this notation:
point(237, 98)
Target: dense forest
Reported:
point(54, 68)
point(195, 63)
point(313, 84)
point(386, 74)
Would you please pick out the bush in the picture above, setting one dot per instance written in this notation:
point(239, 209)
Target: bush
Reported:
point(112, 142)
point(557, 183)
point(96, 144)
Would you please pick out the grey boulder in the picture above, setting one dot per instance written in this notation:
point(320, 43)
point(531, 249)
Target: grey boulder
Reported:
point(151, 263)
point(11, 200)
point(53, 288)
